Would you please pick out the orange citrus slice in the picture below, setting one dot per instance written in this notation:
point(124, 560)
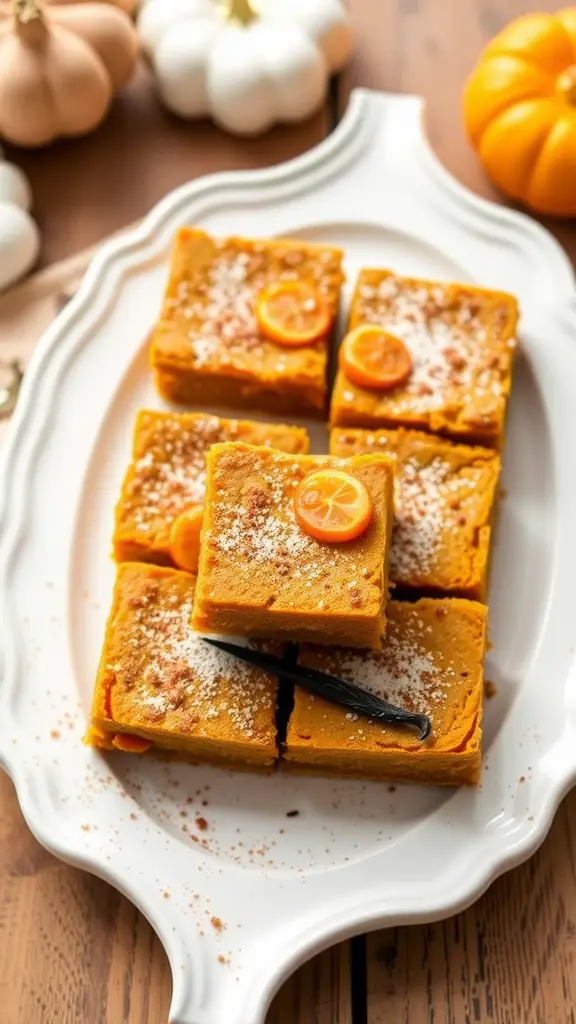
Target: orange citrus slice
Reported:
point(332, 505)
point(374, 358)
point(98, 738)
point(292, 313)
point(185, 538)
point(131, 743)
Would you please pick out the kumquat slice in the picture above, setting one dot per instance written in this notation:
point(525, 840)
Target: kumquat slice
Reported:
point(374, 358)
point(331, 505)
point(131, 743)
point(185, 539)
point(292, 313)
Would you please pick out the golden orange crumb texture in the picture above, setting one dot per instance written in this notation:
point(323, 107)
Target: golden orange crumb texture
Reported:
point(373, 559)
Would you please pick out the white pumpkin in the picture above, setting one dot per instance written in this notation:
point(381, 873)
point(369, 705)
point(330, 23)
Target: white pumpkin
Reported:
point(19, 236)
point(246, 66)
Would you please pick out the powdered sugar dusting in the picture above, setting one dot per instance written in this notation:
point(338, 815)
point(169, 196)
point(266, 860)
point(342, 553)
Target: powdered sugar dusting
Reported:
point(405, 672)
point(430, 663)
point(169, 475)
point(264, 538)
point(228, 322)
point(446, 335)
point(169, 669)
point(423, 516)
point(219, 300)
point(264, 528)
point(442, 493)
point(255, 527)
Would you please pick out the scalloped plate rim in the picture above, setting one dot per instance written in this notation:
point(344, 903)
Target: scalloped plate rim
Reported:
point(525, 840)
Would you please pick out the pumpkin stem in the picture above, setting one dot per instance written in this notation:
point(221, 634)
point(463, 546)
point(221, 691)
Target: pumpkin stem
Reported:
point(29, 20)
point(27, 10)
point(241, 11)
point(566, 84)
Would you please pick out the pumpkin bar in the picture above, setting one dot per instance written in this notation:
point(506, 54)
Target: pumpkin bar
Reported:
point(207, 347)
point(461, 341)
point(168, 474)
point(159, 686)
point(444, 497)
point(431, 663)
point(261, 574)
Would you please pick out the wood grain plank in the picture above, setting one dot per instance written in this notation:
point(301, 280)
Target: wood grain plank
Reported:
point(510, 958)
point(73, 949)
point(319, 993)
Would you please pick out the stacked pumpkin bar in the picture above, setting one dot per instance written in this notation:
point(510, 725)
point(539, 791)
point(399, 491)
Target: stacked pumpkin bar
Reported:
point(260, 574)
point(159, 685)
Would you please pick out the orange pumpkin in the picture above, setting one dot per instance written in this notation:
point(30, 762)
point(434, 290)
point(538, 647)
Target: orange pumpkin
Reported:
point(520, 111)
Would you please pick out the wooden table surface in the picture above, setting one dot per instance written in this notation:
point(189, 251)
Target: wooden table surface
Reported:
point(71, 948)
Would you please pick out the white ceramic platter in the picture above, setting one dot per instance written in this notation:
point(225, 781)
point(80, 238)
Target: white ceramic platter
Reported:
point(356, 856)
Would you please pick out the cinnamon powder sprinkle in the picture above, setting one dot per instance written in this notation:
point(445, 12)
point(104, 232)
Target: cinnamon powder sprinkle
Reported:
point(169, 469)
point(170, 473)
point(422, 514)
point(172, 676)
point(218, 302)
point(404, 673)
point(258, 530)
point(443, 493)
point(409, 671)
point(448, 335)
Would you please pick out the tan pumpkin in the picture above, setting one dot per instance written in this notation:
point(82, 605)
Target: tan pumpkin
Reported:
point(60, 67)
point(520, 111)
point(130, 6)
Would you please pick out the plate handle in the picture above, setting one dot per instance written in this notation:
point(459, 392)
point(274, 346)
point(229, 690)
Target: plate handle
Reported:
point(234, 990)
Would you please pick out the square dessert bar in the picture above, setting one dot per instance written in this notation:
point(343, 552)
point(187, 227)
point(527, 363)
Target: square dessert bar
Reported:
point(461, 340)
point(261, 574)
point(444, 497)
point(167, 474)
point(431, 663)
point(207, 347)
point(161, 686)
